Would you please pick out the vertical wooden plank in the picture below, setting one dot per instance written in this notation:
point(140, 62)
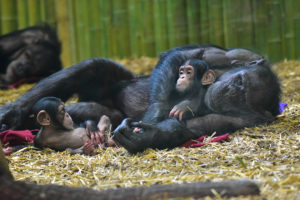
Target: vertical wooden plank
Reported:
point(121, 28)
point(296, 5)
point(147, 26)
point(244, 26)
point(260, 20)
point(112, 42)
point(50, 12)
point(171, 24)
point(133, 24)
point(8, 16)
point(204, 22)
point(72, 32)
point(94, 29)
point(177, 28)
point(86, 32)
point(81, 12)
point(193, 15)
point(230, 23)
point(289, 34)
point(274, 31)
point(43, 10)
point(62, 30)
point(104, 22)
point(22, 13)
point(160, 26)
point(215, 13)
point(34, 12)
point(136, 20)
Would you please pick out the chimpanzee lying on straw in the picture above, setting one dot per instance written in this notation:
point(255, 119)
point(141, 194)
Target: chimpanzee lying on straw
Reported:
point(245, 93)
point(28, 55)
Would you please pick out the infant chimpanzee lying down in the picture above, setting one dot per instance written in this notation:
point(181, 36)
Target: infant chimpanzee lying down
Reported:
point(57, 129)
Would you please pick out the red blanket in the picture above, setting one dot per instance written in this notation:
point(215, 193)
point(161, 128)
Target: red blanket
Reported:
point(199, 142)
point(14, 138)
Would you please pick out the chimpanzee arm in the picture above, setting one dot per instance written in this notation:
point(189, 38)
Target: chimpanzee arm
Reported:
point(170, 133)
point(89, 79)
point(190, 107)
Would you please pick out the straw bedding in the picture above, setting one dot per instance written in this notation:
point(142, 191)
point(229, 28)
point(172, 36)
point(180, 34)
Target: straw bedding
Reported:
point(269, 154)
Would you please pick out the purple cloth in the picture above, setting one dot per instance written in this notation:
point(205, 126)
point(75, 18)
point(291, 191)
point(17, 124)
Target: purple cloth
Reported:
point(282, 107)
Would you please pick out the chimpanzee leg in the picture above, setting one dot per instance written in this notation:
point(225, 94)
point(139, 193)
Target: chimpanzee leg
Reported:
point(91, 76)
point(221, 124)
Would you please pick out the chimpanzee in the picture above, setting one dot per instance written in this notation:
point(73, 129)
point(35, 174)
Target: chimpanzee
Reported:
point(28, 55)
point(188, 92)
point(246, 93)
point(57, 129)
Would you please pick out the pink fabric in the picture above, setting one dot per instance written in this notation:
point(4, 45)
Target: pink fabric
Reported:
point(199, 142)
point(13, 138)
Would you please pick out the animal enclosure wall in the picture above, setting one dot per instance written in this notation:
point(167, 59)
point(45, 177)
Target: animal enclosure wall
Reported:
point(134, 28)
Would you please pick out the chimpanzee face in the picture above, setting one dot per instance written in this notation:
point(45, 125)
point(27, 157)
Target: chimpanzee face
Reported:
point(64, 117)
point(186, 78)
point(32, 61)
point(19, 67)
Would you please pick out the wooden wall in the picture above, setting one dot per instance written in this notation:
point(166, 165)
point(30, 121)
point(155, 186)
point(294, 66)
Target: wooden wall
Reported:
point(134, 28)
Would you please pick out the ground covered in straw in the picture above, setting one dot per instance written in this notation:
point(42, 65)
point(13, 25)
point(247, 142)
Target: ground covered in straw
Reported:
point(269, 154)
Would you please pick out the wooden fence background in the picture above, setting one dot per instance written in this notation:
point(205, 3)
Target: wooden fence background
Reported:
point(134, 28)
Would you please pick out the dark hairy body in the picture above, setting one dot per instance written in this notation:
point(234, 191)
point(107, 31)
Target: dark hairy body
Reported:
point(28, 55)
point(246, 93)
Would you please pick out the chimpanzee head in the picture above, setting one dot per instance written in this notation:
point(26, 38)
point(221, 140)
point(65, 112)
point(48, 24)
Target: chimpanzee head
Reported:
point(50, 111)
point(193, 74)
point(37, 60)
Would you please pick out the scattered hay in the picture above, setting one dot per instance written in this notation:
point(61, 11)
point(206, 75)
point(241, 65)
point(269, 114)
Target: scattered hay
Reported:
point(269, 155)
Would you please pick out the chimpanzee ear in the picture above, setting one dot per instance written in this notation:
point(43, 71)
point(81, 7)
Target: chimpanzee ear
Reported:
point(208, 77)
point(43, 118)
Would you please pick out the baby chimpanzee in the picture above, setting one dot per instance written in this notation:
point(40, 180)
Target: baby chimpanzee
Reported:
point(188, 95)
point(191, 84)
point(57, 131)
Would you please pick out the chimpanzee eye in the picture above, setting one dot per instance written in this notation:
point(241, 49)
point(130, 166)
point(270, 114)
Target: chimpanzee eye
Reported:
point(189, 72)
point(62, 111)
point(181, 72)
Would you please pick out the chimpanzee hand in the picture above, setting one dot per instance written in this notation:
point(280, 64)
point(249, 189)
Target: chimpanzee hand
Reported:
point(88, 147)
point(134, 142)
point(177, 112)
point(181, 109)
point(11, 117)
point(92, 131)
point(169, 133)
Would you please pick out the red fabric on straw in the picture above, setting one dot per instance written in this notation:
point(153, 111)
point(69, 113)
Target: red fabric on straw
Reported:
point(13, 138)
point(199, 142)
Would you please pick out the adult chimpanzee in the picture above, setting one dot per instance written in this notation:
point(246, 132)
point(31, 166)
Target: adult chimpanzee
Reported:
point(240, 97)
point(246, 93)
point(28, 55)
